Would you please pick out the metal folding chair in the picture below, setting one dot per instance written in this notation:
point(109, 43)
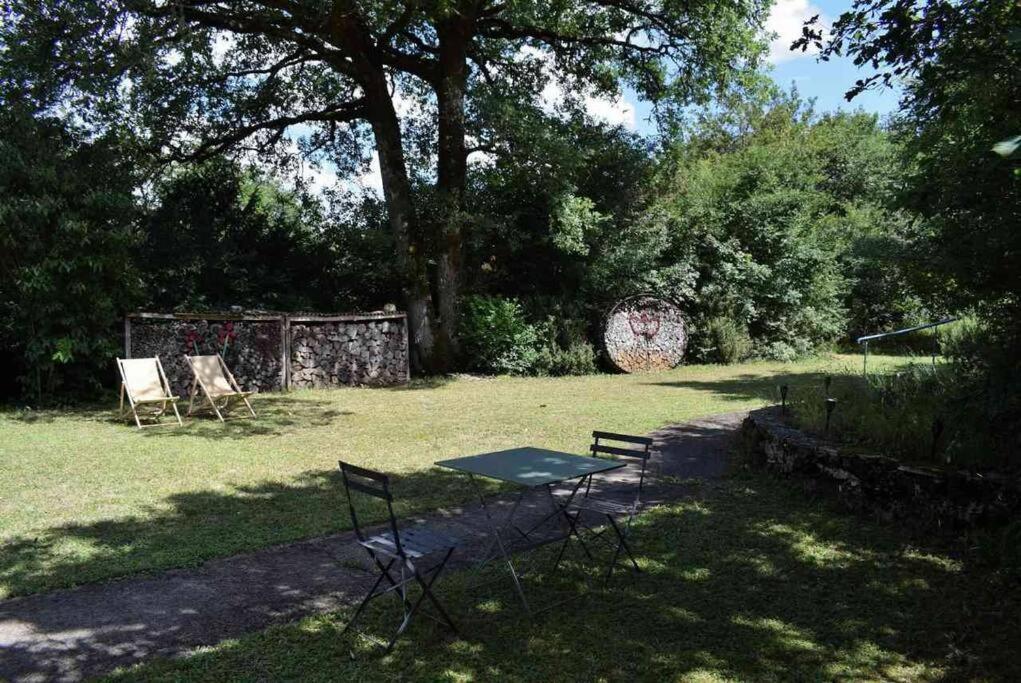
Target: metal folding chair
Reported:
point(612, 510)
point(400, 547)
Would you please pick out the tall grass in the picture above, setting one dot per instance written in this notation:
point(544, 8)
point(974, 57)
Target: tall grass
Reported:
point(940, 416)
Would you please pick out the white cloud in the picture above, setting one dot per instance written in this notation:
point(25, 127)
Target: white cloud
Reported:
point(785, 22)
point(616, 111)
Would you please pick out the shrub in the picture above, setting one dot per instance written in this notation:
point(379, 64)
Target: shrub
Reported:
point(496, 338)
point(579, 358)
point(727, 340)
point(67, 219)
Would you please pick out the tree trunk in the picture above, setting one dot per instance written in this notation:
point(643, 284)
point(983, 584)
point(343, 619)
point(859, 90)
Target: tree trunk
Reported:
point(451, 173)
point(426, 355)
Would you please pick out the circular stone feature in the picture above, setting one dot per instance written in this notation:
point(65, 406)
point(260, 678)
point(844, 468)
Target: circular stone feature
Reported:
point(644, 334)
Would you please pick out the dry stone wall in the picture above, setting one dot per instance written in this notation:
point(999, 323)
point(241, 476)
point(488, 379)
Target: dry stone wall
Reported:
point(879, 484)
point(274, 352)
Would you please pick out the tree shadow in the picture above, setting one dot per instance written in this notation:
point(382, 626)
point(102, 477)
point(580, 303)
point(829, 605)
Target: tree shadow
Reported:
point(189, 528)
point(752, 582)
point(421, 383)
point(749, 386)
point(275, 414)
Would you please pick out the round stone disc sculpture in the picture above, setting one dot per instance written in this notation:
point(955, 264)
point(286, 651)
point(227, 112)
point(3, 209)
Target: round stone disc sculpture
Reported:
point(645, 334)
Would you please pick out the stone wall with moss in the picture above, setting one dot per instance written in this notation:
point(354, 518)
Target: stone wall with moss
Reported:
point(880, 484)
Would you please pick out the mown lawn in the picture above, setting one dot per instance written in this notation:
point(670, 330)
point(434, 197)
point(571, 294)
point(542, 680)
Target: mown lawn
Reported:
point(751, 579)
point(84, 497)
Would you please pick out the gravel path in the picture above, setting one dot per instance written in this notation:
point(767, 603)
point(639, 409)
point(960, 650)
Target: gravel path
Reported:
point(68, 635)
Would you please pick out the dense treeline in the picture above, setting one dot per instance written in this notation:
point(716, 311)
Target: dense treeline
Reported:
point(769, 224)
point(777, 229)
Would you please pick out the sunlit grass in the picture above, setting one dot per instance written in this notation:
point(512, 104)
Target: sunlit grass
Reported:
point(84, 497)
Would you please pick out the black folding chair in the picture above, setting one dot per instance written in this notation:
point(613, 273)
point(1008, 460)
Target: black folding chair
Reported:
point(612, 510)
point(402, 548)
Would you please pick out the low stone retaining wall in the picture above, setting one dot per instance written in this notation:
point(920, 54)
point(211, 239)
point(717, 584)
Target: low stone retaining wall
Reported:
point(270, 352)
point(878, 483)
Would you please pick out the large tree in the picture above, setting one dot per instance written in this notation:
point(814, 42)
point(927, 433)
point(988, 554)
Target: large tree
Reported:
point(960, 120)
point(424, 83)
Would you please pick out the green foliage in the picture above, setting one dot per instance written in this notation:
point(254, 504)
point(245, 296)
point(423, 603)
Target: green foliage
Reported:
point(563, 347)
point(559, 225)
point(496, 337)
point(765, 207)
point(724, 340)
point(221, 235)
point(959, 63)
point(67, 230)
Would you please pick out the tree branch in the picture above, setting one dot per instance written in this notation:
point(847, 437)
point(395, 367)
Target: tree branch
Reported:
point(346, 112)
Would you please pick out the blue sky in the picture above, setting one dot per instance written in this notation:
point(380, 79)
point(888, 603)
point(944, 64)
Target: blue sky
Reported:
point(825, 82)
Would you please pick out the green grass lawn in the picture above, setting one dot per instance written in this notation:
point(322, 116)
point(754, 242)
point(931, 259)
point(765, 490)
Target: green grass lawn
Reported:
point(751, 579)
point(84, 497)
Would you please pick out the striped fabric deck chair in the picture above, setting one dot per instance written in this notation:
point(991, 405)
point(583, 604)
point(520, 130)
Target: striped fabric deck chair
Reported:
point(145, 386)
point(219, 388)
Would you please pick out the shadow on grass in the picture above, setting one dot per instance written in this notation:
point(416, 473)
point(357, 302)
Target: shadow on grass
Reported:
point(275, 414)
point(753, 583)
point(191, 527)
point(751, 386)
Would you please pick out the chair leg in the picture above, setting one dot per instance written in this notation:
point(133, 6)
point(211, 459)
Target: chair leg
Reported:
point(177, 414)
point(623, 534)
point(250, 408)
point(191, 396)
point(572, 531)
point(384, 573)
point(215, 409)
point(622, 544)
point(426, 593)
point(427, 590)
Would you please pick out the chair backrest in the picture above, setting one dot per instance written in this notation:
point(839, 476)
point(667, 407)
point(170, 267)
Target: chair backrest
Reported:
point(373, 484)
point(210, 371)
point(640, 448)
point(142, 378)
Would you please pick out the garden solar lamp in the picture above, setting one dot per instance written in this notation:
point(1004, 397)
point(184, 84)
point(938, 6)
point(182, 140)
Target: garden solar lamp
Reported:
point(831, 404)
point(826, 382)
point(783, 398)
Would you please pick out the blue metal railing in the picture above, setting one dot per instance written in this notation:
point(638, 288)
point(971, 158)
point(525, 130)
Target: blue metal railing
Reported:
point(866, 339)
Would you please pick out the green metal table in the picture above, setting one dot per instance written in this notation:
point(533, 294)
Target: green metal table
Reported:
point(529, 468)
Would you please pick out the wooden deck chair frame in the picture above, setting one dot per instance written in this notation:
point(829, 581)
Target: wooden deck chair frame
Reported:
point(209, 400)
point(154, 407)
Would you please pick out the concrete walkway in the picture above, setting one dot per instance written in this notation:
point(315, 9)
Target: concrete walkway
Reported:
point(72, 634)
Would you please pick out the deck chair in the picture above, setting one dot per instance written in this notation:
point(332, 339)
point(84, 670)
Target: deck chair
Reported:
point(618, 514)
point(219, 388)
point(145, 386)
point(404, 547)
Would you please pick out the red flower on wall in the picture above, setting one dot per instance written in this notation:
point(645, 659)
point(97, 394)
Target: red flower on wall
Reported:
point(225, 336)
point(191, 339)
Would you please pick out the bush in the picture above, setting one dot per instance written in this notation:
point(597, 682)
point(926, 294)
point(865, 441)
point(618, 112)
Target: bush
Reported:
point(496, 338)
point(727, 340)
point(578, 358)
point(67, 230)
